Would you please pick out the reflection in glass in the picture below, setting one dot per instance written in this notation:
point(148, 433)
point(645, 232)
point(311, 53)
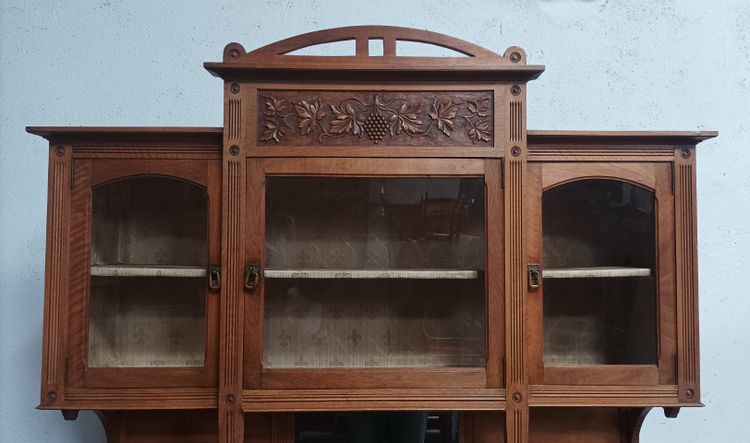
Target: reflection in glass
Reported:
point(374, 272)
point(376, 427)
point(148, 261)
point(599, 267)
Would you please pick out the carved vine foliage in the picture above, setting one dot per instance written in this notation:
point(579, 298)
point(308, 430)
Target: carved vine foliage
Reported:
point(376, 118)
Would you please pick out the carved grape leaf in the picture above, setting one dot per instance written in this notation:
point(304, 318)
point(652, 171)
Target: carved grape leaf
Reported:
point(309, 114)
point(274, 106)
point(272, 131)
point(480, 131)
point(479, 107)
point(407, 119)
point(443, 113)
point(345, 120)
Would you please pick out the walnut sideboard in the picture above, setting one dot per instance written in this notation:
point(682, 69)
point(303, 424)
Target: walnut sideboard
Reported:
point(373, 248)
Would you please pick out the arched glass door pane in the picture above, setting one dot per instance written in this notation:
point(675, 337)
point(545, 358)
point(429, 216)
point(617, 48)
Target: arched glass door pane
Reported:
point(149, 254)
point(599, 243)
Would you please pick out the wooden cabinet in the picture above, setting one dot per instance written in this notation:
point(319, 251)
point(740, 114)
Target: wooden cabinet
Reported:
point(371, 245)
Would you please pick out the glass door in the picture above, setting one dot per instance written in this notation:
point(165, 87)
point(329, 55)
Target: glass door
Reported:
point(599, 240)
point(149, 261)
point(600, 264)
point(374, 272)
point(151, 273)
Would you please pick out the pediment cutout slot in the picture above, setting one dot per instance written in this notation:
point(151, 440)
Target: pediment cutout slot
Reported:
point(340, 48)
point(413, 48)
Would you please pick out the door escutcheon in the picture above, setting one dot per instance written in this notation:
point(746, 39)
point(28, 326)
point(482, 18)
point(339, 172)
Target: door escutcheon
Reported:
point(534, 276)
point(214, 277)
point(252, 277)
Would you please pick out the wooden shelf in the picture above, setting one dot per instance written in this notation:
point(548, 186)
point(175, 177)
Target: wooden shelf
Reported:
point(148, 271)
point(596, 272)
point(410, 274)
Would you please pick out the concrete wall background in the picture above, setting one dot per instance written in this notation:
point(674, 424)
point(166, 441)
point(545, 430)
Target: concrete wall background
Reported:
point(641, 64)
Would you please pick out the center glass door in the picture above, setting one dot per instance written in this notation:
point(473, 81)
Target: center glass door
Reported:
point(367, 271)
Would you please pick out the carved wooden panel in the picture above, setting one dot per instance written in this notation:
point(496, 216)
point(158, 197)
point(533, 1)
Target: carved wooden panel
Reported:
point(368, 118)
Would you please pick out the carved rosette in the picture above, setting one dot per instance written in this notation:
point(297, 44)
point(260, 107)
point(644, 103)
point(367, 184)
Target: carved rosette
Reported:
point(302, 118)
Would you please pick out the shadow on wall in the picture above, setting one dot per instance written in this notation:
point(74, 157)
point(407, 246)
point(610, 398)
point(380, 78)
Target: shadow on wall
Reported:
point(86, 429)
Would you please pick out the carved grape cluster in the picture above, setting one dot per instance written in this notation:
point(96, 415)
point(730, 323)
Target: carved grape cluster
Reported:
point(376, 127)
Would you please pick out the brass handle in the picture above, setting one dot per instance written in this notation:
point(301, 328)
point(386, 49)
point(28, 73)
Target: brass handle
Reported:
point(534, 276)
point(214, 277)
point(252, 277)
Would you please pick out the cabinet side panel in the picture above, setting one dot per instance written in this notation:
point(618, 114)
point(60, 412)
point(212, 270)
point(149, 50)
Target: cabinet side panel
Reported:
point(687, 279)
point(53, 369)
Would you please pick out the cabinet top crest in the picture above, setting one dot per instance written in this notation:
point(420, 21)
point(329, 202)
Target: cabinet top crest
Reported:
point(467, 61)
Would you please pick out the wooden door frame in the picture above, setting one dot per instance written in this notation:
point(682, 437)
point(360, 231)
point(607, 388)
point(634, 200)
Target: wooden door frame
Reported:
point(655, 176)
point(92, 173)
point(490, 376)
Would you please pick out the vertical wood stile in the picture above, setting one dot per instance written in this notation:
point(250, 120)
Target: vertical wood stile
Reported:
point(56, 278)
point(515, 296)
point(687, 284)
point(467, 428)
point(234, 121)
point(516, 121)
point(389, 45)
point(78, 273)
point(231, 418)
point(362, 48)
point(282, 427)
point(494, 232)
point(517, 413)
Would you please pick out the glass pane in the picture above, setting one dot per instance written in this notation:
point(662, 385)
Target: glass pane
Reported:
point(376, 427)
point(599, 274)
point(148, 265)
point(374, 272)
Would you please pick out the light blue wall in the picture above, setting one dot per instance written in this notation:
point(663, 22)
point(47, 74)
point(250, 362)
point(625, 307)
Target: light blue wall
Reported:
point(638, 64)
